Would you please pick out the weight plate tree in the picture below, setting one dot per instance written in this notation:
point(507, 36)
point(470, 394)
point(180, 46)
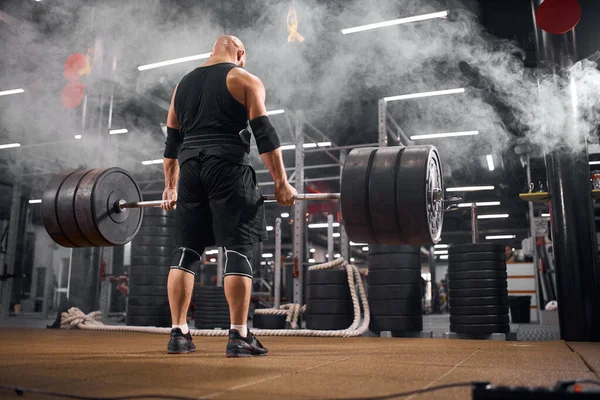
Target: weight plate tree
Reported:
point(328, 301)
point(212, 310)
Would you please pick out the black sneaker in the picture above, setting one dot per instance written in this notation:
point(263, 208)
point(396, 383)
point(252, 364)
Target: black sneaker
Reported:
point(180, 343)
point(239, 346)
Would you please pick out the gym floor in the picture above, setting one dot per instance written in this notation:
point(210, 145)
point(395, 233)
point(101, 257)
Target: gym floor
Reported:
point(119, 364)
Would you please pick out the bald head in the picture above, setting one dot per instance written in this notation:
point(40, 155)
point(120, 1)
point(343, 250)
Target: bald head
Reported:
point(229, 48)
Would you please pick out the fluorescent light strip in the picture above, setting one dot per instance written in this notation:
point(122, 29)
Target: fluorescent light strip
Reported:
point(336, 234)
point(545, 215)
point(594, 162)
point(77, 137)
point(490, 162)
point(173, 61)
point(469, 189)
point(117, 131)
point(441, 246)
point(275, 112)
point(480, 204)
point(9, 145)
point(12, 91)
point(151, 162)
point(285, 215)
point(492, 216)
point(440, 252)
point(311, 260)
point(323, 225)
point(269, 228)
point(494, 237)
point(444, 257)
point(366, 248)
point(35, 201)
point(306, 145)
point(312, 250)
point(444, 135)
point(209, 252)
point(212, 260)
point(267, 255)
point(358, 244)
point(424, 94)
point(399, 21)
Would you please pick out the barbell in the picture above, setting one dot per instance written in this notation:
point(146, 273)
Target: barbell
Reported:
point(389, 195)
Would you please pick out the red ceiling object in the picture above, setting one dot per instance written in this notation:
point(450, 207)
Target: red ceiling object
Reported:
point(72, 94)
point(558, 16)
point(73, 67)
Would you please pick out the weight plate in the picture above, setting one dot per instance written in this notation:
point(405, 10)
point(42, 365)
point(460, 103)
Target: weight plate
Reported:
point(394, 276)
point(331, 292)
point(394, 261)
point(477, 292)
point(157, 211)
point(477, 266)
point(148, 311)
point(476, 248)
point(398, 324)
point(462, 257)
point(479, 310)
point(396, 307)
point(156, 231)
point(206, 316)
point(210, 289)
point(137, 270)
point(155, 220)
point(211, 298)
point(393, 249)
point(151, 260)
point(468, 275)
point(478, 301)
point(477, 284)
point(213, 321)
point(67, 212)
point(261, 321)
point(395, 292)
point(354, 199)
point(142, 280)
point(420, 195)
point(328, 276)
point(499, 319)
point(329, 307)
point(203, 309)
point(199, 325)
point(148, 290)
point(162, 321)
point(148, 301)
point(382, 199)
point(160, 251)
point(49, 212)
point(480, 329)
point(328, 322)
point(141, 240)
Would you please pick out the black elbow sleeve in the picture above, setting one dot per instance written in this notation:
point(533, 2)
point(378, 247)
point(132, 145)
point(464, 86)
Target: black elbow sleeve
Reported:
point(173, 143)
point(265, 135)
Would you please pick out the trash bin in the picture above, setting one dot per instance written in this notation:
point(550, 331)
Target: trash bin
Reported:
point(520, 309)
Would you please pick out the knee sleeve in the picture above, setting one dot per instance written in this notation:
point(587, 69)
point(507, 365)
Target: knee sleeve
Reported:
point(186, 260)
point(238, 260)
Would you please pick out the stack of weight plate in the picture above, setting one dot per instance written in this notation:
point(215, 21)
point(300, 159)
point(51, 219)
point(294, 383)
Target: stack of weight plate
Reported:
point(151, 253)
point(477, 289)
point(212, 310)
point(395, 288)
point(328, 300)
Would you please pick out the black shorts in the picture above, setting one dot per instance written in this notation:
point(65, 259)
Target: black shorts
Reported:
point(218, 203)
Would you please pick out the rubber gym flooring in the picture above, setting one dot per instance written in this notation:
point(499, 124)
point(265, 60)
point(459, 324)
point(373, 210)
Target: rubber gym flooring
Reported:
point(118, 364)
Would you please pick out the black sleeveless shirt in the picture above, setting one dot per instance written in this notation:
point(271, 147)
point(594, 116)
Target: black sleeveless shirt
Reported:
point(210, 118)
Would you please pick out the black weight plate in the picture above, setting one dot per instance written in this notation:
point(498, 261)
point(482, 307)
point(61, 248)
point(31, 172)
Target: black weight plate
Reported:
point(332, 292)
point(139, 270)
point(477, 266)
point(213, 321)
point(156, 251)
point(67, 212)
point(398, 324)
point(477, 292)
point(329, 307)
point(479, 329)
point(476, 248)
point(394, 276)
point(478, 301)
point(147, 230)
point(148, 301)
point(212, 310)
point(478, 310)
point(148, 290)
point(211, 326)
point(211, 300)
point(261, 321)
point(477, 284)
point(161, 322)
point(210, 289)
point(143, 280)
point(49, 213)
point(211, 316)
point(354, 200)
point(328, 277)
point(467, 275)
point(463, 257)
point(158, 212)
point(396, 307)
point(154, 220)
point(383, 186)
point(394, 261)
point(151, 260)
point(421, 215)
point(148, 311)
point(328, 322)
point(395, 292)
point(141, 240)
point(393, 249)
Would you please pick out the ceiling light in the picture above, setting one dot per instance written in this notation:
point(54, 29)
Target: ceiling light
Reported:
point(288, 147)
point(311, 260)
point(267, 255)
point(545, 215)
point(337, 255)
point(493, 237)
point(441, 246)
point(212, 260)
point(209, 252)
point(323, 225)
point(309, 145)
point(423, 94)
point(275, 112)
point(336, 234)
point(263, 263)
point(9, 145)
point(492, 216)
point(444, 257)
point(469, 189)
point(490, 162)
point(269, 228)
point(35, 201)
point(174, 61)
point(285, 215)
point(151, 162)
point(12, 91)
point(441, 252)
point(117, 131)
point(324, 144)
point(480, 204)
point(594, 162)
point(352, 259)
point(312, 250)
point(358, 244)
point(399, 21)
point(366, 248)
point(77, 137)
point(443, 135)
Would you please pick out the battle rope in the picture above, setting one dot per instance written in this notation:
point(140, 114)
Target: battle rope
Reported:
point(75, 318)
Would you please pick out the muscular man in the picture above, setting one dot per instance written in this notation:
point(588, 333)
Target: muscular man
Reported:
point(212, 186)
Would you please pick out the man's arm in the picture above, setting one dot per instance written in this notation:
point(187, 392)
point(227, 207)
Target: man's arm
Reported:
point(170, 165)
